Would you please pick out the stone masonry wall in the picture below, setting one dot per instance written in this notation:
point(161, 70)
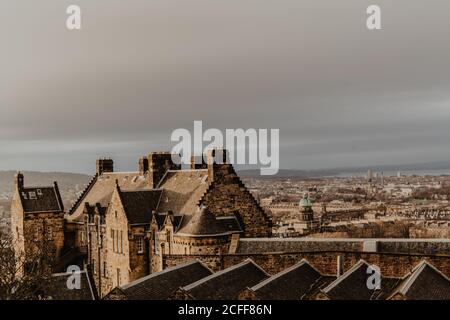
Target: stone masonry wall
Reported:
point(227, 195)
point(392, 265)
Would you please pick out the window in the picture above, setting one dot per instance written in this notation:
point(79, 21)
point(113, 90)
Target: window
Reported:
point(140, 244)
point(82, 238)
point(116, 241)
point(113, 237)
point(121, 241)
point(105, 267)
point(39, 192)
point(94, 269)
point(32, 195)
point(118, 277)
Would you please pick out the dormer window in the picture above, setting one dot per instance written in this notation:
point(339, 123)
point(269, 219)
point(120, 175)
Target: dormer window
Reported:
point(39, 192)
point(32, 195)
point(24, 195)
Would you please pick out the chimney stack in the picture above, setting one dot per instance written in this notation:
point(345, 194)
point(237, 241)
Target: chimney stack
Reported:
point(158, 164)
point(19, 180)
point(198, 162)
point(143, 165)
point(104, 165)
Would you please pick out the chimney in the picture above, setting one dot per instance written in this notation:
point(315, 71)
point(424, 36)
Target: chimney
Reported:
point(198, 162)
point(19, 180)
point(340, 266)
point(143, 165)
point(104, 165)
point(216, 158)
point(158, 164)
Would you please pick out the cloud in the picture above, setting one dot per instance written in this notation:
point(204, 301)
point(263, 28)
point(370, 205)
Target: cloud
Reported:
point(340, 94)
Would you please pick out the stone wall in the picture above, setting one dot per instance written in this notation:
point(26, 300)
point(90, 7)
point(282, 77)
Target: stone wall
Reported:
point(227, 195)
point(429, 232)
point(268, 245)
point(391, 264)
point(139, 261)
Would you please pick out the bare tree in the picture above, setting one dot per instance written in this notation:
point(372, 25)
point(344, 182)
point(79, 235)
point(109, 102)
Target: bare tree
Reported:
point(23, 275)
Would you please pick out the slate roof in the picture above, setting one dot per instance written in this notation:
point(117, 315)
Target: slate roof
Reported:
point(139, 205)
point(227, 284)
point(300, 281)
point(205, 223)
point(56, 288)
point(182, 190)
point(102, 188)
point(161, 285)
point(41, 199)
point(352, 285)
point(425, 283)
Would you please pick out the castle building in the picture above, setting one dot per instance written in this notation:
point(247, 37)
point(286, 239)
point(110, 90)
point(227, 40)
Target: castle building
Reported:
point(37, 220)
point(125, 222)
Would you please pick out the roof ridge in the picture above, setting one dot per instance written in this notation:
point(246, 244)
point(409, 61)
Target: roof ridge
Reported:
point(167, 270)
point(221, 272)
point(345, 275)
point(83, 194)
point(283, 272)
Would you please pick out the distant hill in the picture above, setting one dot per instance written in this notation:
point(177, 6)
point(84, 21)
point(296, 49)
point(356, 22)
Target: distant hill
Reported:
point(32, 178)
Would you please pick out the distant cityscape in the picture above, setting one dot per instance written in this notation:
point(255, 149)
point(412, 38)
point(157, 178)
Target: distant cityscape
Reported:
point(207, 233)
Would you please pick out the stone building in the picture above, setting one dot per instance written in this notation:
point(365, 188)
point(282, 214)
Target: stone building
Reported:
point(127, 221)
point(37, 219)
point(308, 224)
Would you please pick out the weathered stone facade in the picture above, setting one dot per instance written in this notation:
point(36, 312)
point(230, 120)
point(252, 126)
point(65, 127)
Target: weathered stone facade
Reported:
point(160, 209)
point(37, 220)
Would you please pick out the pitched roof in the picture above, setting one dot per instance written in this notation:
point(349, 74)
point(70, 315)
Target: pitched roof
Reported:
point(102, 187)
point(41, 199)
point(182, 190)
point(227, 284)
point(160, 219)
point(138, 205)
point(160, 285)
point(205, 223)
point(352, 285)
point(297, 282)
point(425, 283)
point(56, 287)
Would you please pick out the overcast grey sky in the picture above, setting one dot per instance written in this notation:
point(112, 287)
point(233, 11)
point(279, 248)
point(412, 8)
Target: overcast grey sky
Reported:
point(340, 94)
